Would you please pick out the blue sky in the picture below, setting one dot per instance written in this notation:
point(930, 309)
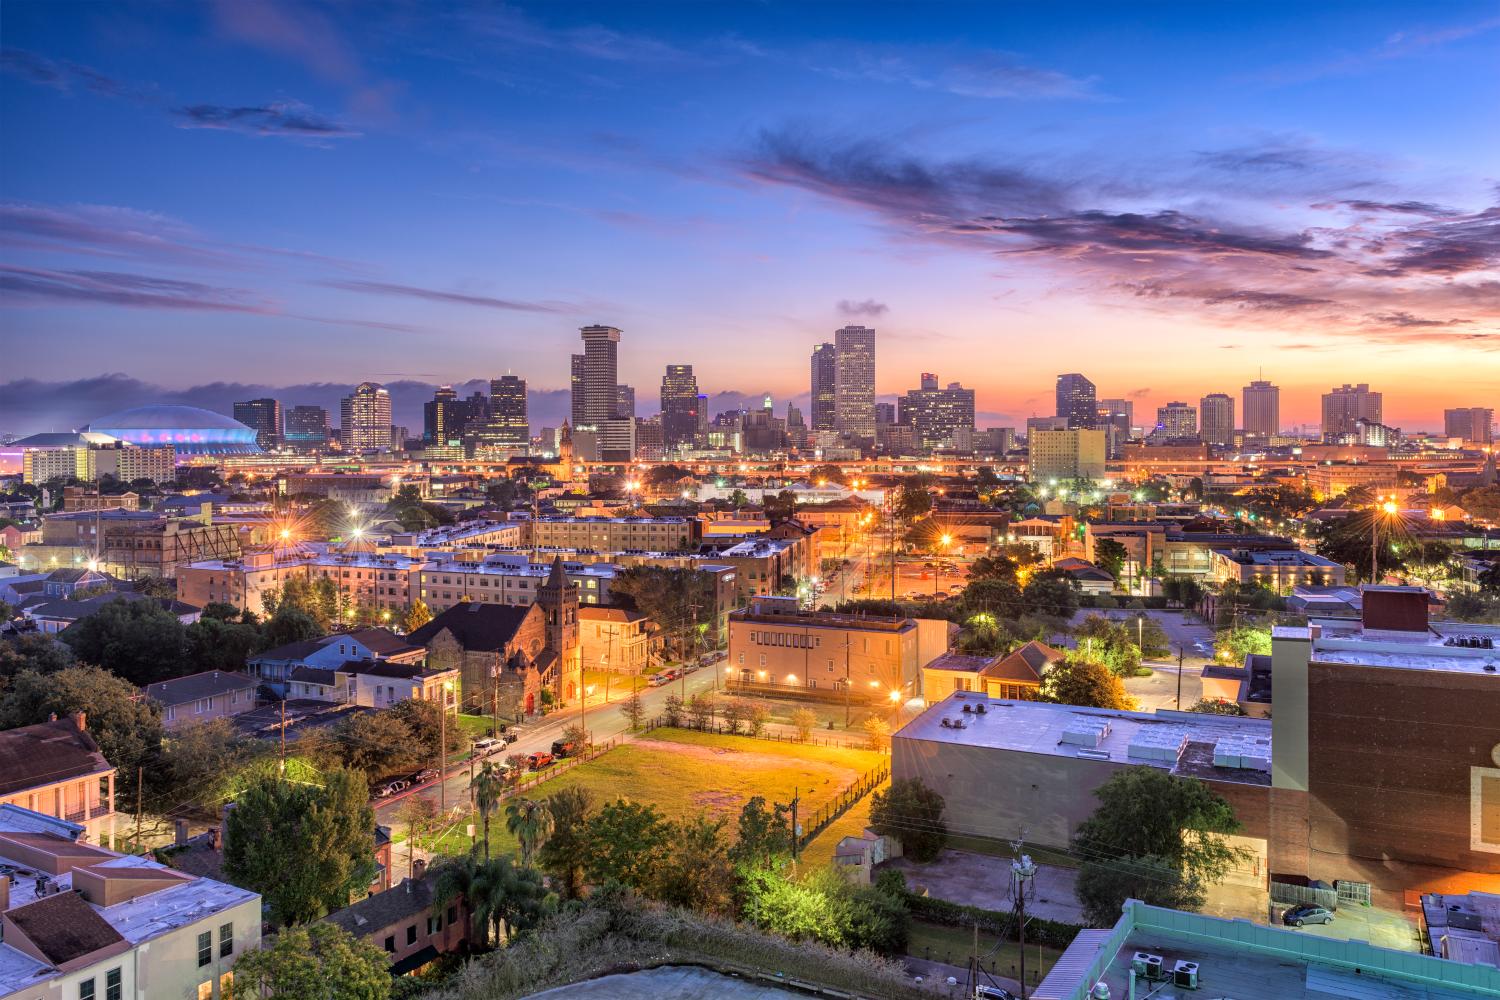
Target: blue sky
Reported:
point(1167, 197)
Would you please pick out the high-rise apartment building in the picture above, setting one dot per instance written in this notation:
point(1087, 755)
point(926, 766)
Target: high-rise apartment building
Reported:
point(575, 382)
point(1261, 410)
point(936, 416)
point(1472, 424)
point(438, 413)
point(1176, 420)
point(596, 383)
point(824, 370)
point(365, 418)
point(854, 382)
point(306, 428)
point(679, 407)
point(1115, 417)
point(1065, 455)
point(262, 416)
point(1345, 405)
point(1076, 400)
point(1216, 418)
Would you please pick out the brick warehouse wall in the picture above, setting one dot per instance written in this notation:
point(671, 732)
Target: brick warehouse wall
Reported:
point(1391, 753)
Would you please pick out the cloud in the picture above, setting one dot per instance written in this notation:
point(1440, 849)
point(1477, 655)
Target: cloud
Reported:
point(986, 74)
point(455, 298)
point(285, 118)
point(33, 285)
point(1191, 240)
point(514, 29)
point(66, 76)
point(1407, 320)
point(300, 32)
point(866, 307)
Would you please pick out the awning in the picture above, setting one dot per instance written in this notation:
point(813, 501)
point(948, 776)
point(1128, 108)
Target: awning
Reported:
point(414, 961)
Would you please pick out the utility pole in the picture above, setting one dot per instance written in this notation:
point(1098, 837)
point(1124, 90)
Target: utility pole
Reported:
point(1179, 677)
point(848, 680)
point(692, 626)
point(1024, 871)
point(796, 833)
point(283, 733)
point(443, 750)
point(140, 781)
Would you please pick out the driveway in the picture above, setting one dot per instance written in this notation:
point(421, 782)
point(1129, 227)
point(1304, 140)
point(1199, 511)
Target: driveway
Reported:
point(984, 881)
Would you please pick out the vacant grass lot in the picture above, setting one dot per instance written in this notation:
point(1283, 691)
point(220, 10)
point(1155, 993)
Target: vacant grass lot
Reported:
point(682, 772)
point(819, 850)
point(954, 945)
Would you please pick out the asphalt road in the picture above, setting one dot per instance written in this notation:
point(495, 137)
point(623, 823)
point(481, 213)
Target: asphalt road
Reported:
point(1160, 690)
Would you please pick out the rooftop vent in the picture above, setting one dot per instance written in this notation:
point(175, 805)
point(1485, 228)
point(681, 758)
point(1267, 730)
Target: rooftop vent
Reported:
point(1085, 731)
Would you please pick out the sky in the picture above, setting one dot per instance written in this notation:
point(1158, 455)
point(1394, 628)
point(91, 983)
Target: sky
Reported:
point(204, 201)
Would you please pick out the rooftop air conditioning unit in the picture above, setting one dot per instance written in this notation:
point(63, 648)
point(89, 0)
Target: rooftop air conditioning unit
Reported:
point(1147, 965)
point(1185, 974)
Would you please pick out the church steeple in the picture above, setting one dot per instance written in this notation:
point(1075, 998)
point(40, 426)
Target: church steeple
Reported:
point(558, 600)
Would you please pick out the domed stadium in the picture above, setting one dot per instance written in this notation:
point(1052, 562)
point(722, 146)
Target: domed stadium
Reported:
point(189, 429)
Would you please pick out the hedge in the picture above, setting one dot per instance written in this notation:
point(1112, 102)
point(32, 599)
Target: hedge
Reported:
point(1052, 933)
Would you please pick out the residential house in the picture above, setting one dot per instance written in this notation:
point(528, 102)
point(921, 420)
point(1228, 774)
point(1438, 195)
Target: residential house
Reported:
point(96, 925)
point(615, 639)
point(1016, 675)
point(1089, 578)
point(315, 660)
point(407, 924)
point(382, 683)
point(203, 697)
point(55, 768)
point(54, 616)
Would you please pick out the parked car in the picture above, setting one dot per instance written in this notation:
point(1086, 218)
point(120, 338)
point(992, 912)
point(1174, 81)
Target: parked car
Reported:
point(993, 993)
point(539, 760)
point(561, 749)
point(425, 775)
point(1307, 913)
point(486, 744)
point(390, 788)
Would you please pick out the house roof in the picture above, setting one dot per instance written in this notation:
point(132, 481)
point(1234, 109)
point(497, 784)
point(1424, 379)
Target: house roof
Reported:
point(1024, 664)
point(409, 899)
point(595, 613)
point(381, 641)
point(476, 626)
point(966, 663)
point(292, 651)
point(181, 690)
point(313, 675)
point(72, 611)
point(385, 668)
point(46, 753)
point(64, 927)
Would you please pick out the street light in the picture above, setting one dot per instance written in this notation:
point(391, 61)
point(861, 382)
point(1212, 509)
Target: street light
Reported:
point(937, 571)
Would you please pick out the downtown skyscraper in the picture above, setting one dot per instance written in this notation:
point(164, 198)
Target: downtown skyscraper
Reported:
point(1260, 410)
point(596, 377)
point(1216, 418)
point(1076, 400)
point(679, 406)
point(854, 382)
point(262, 416)
point(365, 418)
point(824, 374)
point(509, 426)
point(1345, 405)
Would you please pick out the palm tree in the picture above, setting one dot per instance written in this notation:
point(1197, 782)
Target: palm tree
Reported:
point(530, 822)
point(487, 786)
point(462, 878)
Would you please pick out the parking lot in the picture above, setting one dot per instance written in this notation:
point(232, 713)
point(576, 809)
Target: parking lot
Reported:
point(1382, 928)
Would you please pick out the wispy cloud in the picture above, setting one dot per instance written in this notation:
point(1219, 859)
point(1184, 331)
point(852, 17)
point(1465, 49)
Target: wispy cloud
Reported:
point(1397, 45)
point(452, 298)
point(964, 72)
point(864, 307)
point(283, 118)
point(35, 285)
point(67, 77)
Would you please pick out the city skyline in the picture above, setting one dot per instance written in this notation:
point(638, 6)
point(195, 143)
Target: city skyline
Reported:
point(360, 197)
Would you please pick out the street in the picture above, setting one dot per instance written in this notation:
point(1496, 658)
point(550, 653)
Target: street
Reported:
point(1160, 690)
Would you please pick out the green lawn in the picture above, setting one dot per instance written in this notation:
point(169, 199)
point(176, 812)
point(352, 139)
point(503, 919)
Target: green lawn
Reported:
point(477, 725)
point(954, 945)
point(682, 772)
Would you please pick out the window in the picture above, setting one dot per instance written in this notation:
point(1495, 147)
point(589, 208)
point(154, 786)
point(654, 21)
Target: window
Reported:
point(113, 986)
point(226, 984)
point(86, 989)
point(390, 943)
point(205, 948)
point(452, 914)
point(411, 934)
point(226, 940)
point(1484, 808)
point(434, 924)
point(171, 712)
point(206, 990)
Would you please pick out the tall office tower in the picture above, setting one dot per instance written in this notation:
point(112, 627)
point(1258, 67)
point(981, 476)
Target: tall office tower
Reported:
point(439, 423)
point(1261, 409)
point(576, 384)
point(702, 433)
point(1115, 418)
point(307, 428)
point(596, 383)
point(262, 416)
point(509, 426)
point(1472, 424)
point(1064, 455)
point(937, 416)
point(824, 372)
point(365, 418)
point(1176, 420)
point(854, 381)
point(885, 413)
point(1344, 405)
point(679, 407)
point(625, 402)
point(1216, 418)
point(1075, 400)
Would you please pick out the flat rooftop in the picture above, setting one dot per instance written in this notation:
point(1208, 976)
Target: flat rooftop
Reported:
point(1455, 647)
point(1218, 747)
point(1245, 961)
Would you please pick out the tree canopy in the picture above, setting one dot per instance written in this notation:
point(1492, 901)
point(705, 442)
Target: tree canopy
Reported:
point(318, 962)
point(1081, 681)
point(912, 813)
